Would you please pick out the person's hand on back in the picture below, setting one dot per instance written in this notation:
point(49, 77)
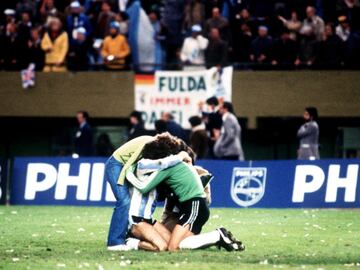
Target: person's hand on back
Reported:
point(184, 156)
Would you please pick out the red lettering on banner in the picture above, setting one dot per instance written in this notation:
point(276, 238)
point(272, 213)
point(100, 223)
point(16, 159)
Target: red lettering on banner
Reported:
point(170, 101)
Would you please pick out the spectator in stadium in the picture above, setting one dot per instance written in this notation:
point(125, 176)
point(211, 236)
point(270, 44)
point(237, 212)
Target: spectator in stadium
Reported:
point(84, 135)
point(55, 43)
point(350, 9)
point(228, 140)
point(29, 6)
point(343, 30)
point(34, 53)
point(137, 128)
point(123, 19)
point(308, 134)
point(293, 24)
point(160, 126)
point(174, 128)
point(194, 13)
point(213, 121)
point(104, 147)
point(285, 50)
point(352, 50)
point(78, 57)
point(261, 46)
point(242, 44)
point(240, 19)
point(331, 49)
point(105, 17)
point(172, 21)
point(24, 26)
point(217, 50)
point(48, 9)
point(11, 48)
point(75, 20)
point(312, 32)
point(10, 15)
point(313, 22)
point(199, 141)
point(159, 35)
point(219, 22)
point(115, 48)
point(192, 51)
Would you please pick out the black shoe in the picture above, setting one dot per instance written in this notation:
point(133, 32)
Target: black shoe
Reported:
point(239, 246)
point(228, 241)
point(225, 240)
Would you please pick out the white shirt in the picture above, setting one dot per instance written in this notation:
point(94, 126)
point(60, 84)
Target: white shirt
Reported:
point(193, 50)
point(342, 33)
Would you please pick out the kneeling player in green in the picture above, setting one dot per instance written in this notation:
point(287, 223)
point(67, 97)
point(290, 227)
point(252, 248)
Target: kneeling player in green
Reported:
point(194, 212)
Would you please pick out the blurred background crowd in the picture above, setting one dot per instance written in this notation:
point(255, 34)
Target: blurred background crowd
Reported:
point(215, 133)
point(59, 35)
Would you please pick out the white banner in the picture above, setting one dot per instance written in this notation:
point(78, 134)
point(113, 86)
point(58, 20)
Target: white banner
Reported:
point(180, 93)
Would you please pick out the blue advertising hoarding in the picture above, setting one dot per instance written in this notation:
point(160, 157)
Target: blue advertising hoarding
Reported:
point(276, 184)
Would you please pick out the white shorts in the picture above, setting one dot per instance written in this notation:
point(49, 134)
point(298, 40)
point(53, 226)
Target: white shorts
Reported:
point(142, 206)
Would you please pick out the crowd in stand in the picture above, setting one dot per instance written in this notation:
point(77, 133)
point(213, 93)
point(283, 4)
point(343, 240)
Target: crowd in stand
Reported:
point(214, 134)
point(58, 35)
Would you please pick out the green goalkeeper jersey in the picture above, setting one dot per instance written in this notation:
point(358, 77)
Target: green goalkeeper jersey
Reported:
point(182, 179)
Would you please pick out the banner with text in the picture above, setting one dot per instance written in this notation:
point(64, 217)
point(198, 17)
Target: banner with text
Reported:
point(276, 184)
point(180, 93)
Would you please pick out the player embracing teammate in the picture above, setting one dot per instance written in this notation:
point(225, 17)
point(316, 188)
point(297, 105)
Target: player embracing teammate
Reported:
point(158, 168)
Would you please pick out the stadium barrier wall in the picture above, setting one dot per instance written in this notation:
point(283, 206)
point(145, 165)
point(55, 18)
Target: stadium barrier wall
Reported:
point(274, 184)
point(111, 94)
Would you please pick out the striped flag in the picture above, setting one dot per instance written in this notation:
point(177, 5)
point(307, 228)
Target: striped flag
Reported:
point(144, 46)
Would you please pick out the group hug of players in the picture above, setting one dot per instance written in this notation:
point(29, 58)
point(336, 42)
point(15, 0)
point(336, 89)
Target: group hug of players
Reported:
point(149, 169)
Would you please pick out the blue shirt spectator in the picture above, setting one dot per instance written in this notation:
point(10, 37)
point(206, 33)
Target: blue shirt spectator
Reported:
point(77, 19)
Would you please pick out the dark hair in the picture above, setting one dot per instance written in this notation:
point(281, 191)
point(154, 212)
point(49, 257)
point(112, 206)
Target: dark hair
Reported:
point(137, 115)
point(163, 146)
point(160, 126)
point(85, 114)
point(313, 112)
point(332, 26)
point(195, 121)
point(187, 149)
point(212, 101)
point(228, 105)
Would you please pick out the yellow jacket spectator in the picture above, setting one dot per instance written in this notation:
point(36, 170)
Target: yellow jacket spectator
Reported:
point(55, 43)
point(115, 48)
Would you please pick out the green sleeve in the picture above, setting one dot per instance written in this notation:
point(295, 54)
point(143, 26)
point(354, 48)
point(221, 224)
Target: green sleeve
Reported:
point(149, 183)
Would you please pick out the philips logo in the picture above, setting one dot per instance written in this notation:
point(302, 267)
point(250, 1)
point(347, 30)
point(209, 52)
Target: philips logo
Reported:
point(248, 185)
point(310, 178)
point(89, 181)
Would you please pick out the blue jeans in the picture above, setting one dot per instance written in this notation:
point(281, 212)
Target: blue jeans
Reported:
point(120, 218)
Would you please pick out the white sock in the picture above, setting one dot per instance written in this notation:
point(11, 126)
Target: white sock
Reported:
point(132, 243)
point(200, 241)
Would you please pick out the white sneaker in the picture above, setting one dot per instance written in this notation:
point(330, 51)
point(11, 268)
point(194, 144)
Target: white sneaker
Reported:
point(118, 248)
point(132, 243)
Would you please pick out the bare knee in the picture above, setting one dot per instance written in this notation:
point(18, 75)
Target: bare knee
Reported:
point(162, 247)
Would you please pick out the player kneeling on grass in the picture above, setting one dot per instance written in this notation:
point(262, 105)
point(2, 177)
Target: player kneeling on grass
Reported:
point(186, 184)
point(145, 232)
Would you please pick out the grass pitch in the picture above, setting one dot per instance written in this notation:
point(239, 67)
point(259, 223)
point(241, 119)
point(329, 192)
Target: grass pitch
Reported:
point(74, 238)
